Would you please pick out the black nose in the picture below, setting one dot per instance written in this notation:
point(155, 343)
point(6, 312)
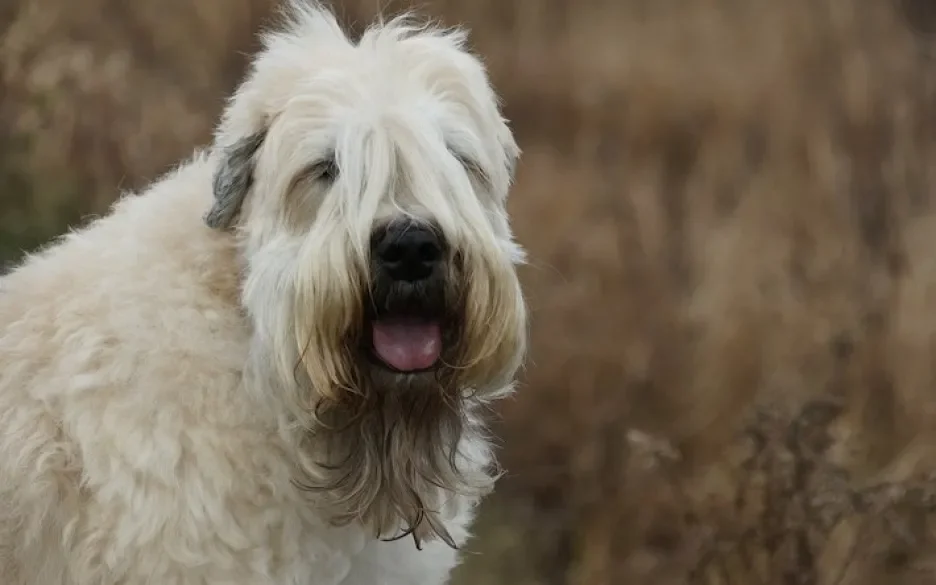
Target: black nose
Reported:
point(408, 251)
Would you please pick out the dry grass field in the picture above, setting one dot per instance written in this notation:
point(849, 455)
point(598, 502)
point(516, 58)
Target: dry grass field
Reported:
point(730, 209)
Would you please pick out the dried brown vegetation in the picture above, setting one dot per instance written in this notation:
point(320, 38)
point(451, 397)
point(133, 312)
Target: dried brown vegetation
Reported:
point(730, 207)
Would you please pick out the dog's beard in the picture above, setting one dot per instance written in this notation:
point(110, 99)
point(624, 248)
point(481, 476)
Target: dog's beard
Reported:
point(382, 446)
point(387, 454)
point(388, 444)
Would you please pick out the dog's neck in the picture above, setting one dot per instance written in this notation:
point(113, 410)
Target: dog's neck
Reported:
point(400, 464)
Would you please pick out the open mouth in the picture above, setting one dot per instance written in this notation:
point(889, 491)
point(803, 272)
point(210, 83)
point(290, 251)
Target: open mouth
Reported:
point(406, 343)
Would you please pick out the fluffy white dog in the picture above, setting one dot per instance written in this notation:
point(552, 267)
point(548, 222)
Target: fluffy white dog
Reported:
point(269, 368)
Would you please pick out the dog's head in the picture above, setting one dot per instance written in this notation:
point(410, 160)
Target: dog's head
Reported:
point(369, 181)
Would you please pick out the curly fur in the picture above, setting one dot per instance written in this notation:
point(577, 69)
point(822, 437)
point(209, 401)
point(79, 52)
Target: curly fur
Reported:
point(182, 400)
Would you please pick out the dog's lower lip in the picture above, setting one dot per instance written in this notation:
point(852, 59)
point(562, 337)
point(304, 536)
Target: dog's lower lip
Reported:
point(390, 368)
point(376, 360)
point(406, 343)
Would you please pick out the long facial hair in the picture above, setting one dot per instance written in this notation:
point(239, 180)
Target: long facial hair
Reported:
point(383, 448)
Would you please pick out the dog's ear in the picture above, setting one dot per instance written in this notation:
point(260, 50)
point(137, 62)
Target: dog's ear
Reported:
point(232, 180)
point(508, 143)
point(513, 157)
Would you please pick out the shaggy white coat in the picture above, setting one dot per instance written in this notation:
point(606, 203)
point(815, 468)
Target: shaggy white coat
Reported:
point(134, 446)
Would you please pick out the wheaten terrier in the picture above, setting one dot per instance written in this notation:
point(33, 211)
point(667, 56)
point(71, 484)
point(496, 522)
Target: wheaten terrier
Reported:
point(269, 368)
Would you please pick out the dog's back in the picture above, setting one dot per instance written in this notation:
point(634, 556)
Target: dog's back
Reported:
point(120, 352)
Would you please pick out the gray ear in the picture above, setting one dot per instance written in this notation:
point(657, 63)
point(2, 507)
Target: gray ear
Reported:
point(232, 181)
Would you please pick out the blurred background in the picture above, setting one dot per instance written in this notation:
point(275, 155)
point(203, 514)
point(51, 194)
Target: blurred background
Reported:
point(729, 209)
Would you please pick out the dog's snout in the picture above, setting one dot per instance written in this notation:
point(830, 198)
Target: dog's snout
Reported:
point(408, 251)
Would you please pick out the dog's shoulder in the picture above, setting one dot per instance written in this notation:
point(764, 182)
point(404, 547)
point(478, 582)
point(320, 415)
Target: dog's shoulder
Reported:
point(122, 347)
point(147, 283)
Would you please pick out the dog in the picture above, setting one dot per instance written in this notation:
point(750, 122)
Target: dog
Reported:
point(273, 365)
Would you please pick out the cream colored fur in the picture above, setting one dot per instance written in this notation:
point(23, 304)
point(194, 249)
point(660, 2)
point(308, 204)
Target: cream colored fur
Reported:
point(154, 425)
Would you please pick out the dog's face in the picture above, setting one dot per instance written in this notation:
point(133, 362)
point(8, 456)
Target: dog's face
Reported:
point(369, 181)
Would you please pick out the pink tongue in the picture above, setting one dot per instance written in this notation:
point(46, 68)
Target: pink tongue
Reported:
point(408, 345)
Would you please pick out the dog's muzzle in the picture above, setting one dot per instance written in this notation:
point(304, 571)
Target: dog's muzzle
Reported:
point(408, 319)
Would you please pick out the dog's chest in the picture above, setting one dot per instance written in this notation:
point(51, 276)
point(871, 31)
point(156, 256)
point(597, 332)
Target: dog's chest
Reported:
point(311, 552)
point(268, 531)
